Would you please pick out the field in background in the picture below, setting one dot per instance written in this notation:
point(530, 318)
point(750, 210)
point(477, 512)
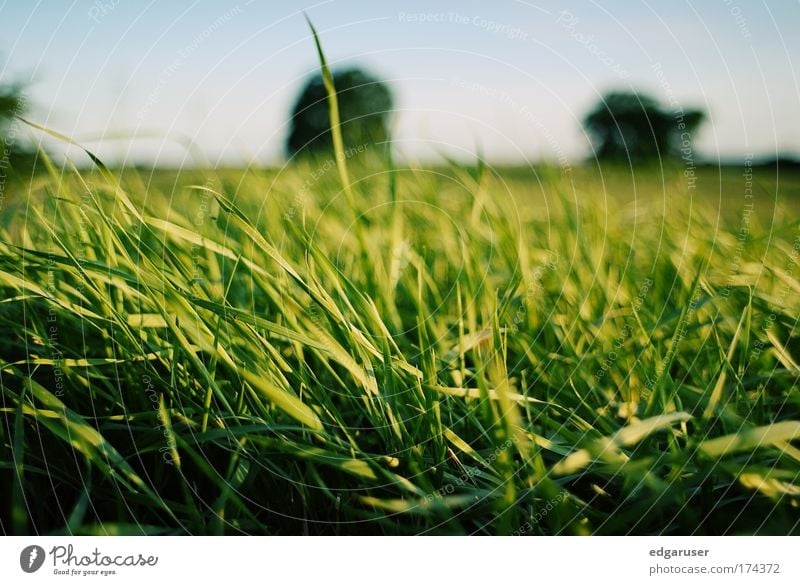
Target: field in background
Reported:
point(445, 350)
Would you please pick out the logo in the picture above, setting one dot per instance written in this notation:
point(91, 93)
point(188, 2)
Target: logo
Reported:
point(31, 558)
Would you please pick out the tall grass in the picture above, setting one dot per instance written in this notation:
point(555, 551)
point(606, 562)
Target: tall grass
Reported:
point(481, 359)
point(442, 351)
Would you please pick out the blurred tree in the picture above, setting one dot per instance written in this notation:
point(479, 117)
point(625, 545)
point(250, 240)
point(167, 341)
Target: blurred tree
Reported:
point(14, 156)
point(627, 125)
point(364, 107)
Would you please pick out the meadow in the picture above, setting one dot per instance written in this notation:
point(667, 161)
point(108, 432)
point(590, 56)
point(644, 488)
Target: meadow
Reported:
point(350, 345)
point(442, 350)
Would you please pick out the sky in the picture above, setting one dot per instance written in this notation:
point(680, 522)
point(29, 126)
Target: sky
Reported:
point(201, 82)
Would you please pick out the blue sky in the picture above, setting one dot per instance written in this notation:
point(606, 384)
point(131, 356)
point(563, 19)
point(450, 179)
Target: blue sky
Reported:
point(137, 80)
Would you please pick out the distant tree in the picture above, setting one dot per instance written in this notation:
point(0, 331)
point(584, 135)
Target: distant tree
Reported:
point(15, 156)
point(364, 107)
point(626, 125)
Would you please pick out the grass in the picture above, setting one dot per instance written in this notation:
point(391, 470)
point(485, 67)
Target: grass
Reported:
point(451, 353)
point(454, 350)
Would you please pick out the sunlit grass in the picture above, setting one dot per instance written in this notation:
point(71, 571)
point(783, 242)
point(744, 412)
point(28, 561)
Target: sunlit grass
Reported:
point(485, 356)
point(397, 350)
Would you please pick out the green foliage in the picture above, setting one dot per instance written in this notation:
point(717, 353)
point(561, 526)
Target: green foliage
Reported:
point(627, 126)
point(365, 105)
point(15, 156)
point(467, 364)
point(449, 351)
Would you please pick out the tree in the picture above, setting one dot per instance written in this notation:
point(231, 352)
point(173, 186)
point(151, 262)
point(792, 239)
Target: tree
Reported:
point(14, 156)
point(629, 126)
point(364, 107)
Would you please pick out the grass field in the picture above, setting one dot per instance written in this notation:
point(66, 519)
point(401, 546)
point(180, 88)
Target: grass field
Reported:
point(349, 346)
point(451, 350)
